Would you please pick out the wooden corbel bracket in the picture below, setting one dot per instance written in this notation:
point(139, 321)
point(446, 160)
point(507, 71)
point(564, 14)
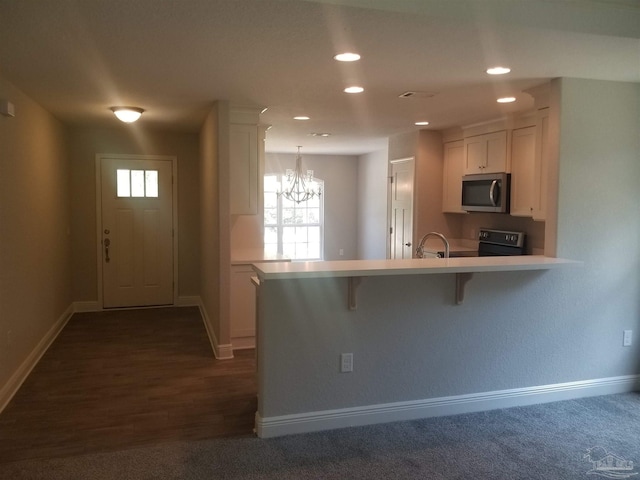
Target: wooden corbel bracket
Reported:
point(461, 283)
point(352, 293)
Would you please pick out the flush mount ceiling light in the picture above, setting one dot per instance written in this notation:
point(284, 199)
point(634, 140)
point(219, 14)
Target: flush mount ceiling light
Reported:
point(498, 70)
point(347, 57)
point(301, 117)
point(319, 134)
point(506, 100)
point(127, 114)
point(354, 89)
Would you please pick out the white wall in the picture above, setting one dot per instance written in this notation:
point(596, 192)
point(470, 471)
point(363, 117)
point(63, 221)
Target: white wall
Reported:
point(515, 329)
point(210, 230)
point(427, 149)
point(35, 229)
point(340, 176)
point(373, 180)
point(84, 144)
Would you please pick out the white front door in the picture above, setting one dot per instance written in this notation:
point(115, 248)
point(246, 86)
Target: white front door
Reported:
point(401, 209)
point(137, 232)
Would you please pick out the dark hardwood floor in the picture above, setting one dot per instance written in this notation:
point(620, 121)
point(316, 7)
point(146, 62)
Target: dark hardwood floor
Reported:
point(113, 380)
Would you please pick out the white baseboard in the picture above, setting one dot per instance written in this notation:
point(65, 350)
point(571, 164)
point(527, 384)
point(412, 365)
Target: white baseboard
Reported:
point(79, 307)
point(243, 343)
point(188, 301)
point(434, 407)
point(221, 352)
point(94, 306)
point(20, 375)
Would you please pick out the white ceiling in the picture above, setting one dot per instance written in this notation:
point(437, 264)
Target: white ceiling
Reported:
point(175, 57)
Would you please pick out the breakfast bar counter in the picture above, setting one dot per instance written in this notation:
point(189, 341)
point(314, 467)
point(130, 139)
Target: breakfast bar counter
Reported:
point(418, 266)
point(355, 270)
point(404, 322)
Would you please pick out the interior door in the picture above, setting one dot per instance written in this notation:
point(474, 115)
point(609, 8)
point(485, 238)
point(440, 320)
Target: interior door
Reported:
point(137, 232)
point(401, 209)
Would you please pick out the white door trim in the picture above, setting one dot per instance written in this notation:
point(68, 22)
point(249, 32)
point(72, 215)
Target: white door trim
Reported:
point(174, 187)
point(390, 193)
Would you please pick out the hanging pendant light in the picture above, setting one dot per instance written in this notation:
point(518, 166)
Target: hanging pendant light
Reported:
point(299, 187)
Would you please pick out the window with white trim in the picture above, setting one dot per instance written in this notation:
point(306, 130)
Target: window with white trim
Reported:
point(292, 229)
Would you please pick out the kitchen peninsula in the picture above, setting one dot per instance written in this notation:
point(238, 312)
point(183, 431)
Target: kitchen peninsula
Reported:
point(393, 316)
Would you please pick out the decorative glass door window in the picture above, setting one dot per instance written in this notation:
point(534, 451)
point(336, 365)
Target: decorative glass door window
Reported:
point(137, 183)
point(292, 229)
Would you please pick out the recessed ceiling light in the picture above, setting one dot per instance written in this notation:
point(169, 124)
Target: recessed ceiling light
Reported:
point(347, 57)
point(319, 134)
point(421, 123)
point(506, 99)
point(301, 117)
point(498, 70)
point(354, 89)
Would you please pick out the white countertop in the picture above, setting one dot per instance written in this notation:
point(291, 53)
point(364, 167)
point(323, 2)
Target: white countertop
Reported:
point(249, 256)
point(370, 268)
point(435, 245)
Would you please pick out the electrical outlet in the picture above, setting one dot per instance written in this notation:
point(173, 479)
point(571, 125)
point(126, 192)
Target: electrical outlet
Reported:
point(341, 252)
point(346, 362)
point(627, 338)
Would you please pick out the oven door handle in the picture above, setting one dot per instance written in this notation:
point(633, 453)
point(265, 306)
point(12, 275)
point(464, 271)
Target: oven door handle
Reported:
point(492, 193)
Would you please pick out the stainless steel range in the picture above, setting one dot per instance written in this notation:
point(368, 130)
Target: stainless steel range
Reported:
point(494, 243)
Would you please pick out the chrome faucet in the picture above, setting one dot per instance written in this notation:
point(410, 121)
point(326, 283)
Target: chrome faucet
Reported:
point(420, 249)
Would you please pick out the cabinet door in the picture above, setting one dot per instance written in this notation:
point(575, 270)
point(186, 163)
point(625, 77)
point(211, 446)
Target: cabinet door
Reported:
point(486, 153)
point(541, 168)
point(523, 142)
point(475, 154)
point(243, 302)
point(496, 160)
point(243, 153)
point(452, 177)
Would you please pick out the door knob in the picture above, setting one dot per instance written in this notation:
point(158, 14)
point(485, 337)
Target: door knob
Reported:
point(407, 244)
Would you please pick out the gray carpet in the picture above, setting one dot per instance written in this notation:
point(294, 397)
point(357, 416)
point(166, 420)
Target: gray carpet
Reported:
point(546, 441)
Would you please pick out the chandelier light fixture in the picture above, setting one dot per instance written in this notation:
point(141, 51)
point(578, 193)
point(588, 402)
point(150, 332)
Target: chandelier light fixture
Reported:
point(299, 187)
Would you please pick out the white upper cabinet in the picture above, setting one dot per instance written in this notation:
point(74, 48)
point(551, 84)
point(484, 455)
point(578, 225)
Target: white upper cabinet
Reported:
point(523, 143)
point(541, 166)
point(452, 177)
point(243, 154)
point(485, 153)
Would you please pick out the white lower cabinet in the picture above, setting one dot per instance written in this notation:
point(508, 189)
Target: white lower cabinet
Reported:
point(243, 307)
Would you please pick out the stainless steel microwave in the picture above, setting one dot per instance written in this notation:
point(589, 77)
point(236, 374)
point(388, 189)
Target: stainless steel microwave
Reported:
point(486, 192)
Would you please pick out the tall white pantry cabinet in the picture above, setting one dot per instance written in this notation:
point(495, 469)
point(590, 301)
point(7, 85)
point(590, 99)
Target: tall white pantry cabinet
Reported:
point(246, 152)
